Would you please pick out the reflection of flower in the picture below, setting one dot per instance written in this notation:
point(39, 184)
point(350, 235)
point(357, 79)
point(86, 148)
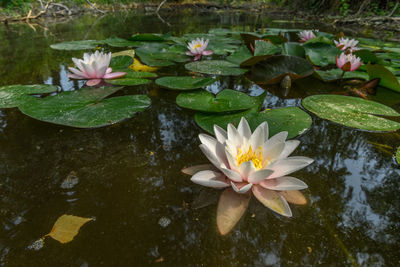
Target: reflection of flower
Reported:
point(306, 35)
point(348, 62)
point(346, 43)
point(197, 48)
point(93, 67)
point(244, 160)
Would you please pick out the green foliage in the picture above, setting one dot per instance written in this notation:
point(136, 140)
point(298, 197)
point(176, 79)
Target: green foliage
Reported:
point(344, 7)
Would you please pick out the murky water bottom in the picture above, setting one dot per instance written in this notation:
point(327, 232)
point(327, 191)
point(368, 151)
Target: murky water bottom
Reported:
point(128, 178)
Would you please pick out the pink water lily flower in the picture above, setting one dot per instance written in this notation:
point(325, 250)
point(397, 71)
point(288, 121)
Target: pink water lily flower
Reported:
point(94, 68)
point(244, 161)
point(306, 35)
point(347, 44)
point(197, 48)
point(348, 62)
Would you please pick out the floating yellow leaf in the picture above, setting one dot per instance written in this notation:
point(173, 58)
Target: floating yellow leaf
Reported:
point(67, 227)
point(294, 197)
point(130, 53)
point(139, 66)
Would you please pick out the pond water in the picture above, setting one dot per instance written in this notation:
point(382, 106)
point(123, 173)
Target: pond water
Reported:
point(128, 176)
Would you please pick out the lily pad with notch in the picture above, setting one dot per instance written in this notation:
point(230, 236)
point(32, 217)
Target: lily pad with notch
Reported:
point(85, 108)
point(13, 95)
point(262, 51)
point(225, 101)
point(336, 74)
point(132, 78)
point(77, 45)
point(184, 82)
point(388, 79)
point(321, 54)
point(352, 112)
point(275, 68)
point(216, 67)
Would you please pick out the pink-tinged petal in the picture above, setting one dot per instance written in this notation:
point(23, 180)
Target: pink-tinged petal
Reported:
point(211, 156)
point(272, 153)
point(207, 52)
point(231, 207)
point(232, 175)
point(209, 179)
point(245, 169)
point(286, 166)
point(355, 66)
point(258, 137)
point(194, 169)
point(241, 188)
point(258, 176)
point(244, 128)
point(294, 197)
point(284, 183)
point(77, 73)
point(74, 76)
point(88, 70)
point(109, 70)
point(197, 57)
point(290, 146)
point(114, 75)
point(272, 200)
point(78, 64)
point(220, 134)
point(93, 82)
point(189, 53)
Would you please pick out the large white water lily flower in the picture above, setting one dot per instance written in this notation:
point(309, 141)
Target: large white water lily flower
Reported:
point(93, 67)
point(197, 48)
point(251, 161)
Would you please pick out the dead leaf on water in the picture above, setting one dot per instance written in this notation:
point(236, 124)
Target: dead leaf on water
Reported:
point(294, 197)
point(67, 227)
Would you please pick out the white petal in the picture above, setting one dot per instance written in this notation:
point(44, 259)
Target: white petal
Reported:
point(246, 168)
point(284, 183)
point(281, 136)
point(208, 141)
point(273, 152)
point(244, 128)
point(77, 72)
point(220, 134)
point(243, 189)
point(272, 200)
point(286, 166)
point(210, 179)
point(290, 146)
point(192, 170)
point(234, 136)
point(258, 137)
point(234, 176)
point(231, 160)
point(211, 156)
point(258, 176)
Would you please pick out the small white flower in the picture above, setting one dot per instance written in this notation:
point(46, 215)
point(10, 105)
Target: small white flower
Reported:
point(346, 43)
point(197, 48)
point(306, 35)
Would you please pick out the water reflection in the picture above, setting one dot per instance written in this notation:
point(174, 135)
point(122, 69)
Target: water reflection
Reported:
point(129, 176)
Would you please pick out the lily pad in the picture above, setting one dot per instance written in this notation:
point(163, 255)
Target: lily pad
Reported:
point(321, 54)
point(291, 119)
point(216, 67)
point(226, 100)
point(366, 56)
point(84, 108)
point(262, 51)
point(148, 37)
point(184, 82)
point(293, 49)
point(398, 155)
point(273, 69)
point(352, 112)
point(132, 78)
point(119, 42)
point(157, 55)
point(336, 74)
point(388, 79)
point(121, 62)
point(77, 45)
point(13, 95)
point(240, 55)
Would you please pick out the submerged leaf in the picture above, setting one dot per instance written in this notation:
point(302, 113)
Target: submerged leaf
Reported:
point(352, 112)
point(67, 227)
point(207, 196)
point(272, 200)
point(231, 207)
point(294, 197)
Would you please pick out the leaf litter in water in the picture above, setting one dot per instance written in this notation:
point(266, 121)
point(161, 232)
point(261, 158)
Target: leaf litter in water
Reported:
point(67, 227)
point(70, 181)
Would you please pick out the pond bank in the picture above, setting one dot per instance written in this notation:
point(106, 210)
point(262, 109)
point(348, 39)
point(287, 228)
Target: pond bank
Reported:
point(388, 27)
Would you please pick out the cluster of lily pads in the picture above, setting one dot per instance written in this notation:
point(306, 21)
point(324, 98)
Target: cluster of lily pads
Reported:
point(269, 57)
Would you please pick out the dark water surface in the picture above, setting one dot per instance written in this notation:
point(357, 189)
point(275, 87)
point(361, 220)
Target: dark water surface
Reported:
point(130, 179)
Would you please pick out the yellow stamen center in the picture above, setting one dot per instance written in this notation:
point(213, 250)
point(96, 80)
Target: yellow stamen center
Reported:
point(253, 156)
point(196, 46)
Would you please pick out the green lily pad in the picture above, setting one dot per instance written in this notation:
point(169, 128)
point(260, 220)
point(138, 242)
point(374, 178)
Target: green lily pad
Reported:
point(262, 51)
point(132, 78)
point(388, 79)
point(158, 55)
point(119, 42)
point(121, 62)
point(148, 37)
point(216, 67)
point(321, 54)
point(13, 95)
point(273, 69)
point(291, 119)
point(184, 82)
point(226, 100)
point(336, 74)
point(240, 55)
point(85, 108)
point(398, 155)
point(77, 45)
point(293, 49)
point(366, 56)
point(352, 112)
point(319, 39)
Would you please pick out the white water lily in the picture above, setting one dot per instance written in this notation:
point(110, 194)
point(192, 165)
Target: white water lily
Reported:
point(197, 48)
point(247, 161)
point(346, 43)
point(306, 35)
